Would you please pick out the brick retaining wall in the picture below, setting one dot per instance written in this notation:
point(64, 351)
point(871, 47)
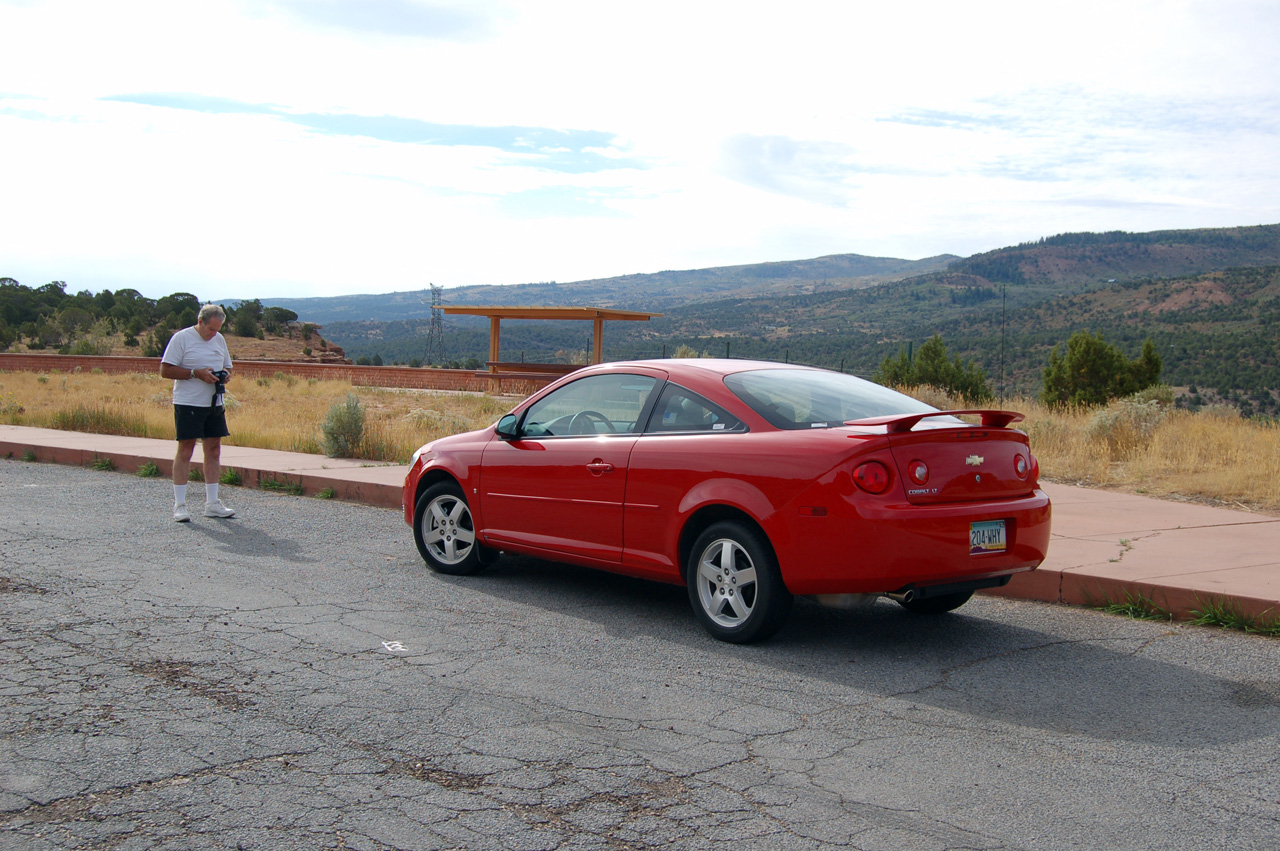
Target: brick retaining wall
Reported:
point(361, 376)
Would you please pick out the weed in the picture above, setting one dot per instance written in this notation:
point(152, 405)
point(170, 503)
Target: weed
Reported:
point(10, 407)
point(196, 474)
point(148, 470)
point(29, 455)
point(43, 379)
point(1138, 607)
point(327, 493)
point(1226, 615)
point(230, 476)
point(279, 486)
point(344, 428)
point(103, 464)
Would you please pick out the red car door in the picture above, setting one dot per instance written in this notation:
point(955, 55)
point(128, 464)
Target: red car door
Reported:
point(559, 486)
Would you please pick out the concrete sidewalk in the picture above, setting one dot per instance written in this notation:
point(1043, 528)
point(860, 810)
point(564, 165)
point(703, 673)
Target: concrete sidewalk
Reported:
point(1105, 548)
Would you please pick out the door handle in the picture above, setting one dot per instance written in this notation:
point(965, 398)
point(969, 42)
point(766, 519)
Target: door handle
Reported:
point(598, 467)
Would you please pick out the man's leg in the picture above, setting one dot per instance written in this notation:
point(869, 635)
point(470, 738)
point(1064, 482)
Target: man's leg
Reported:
point(182, 461)
point(212, 459)
point(181, 473)
point(212, 473)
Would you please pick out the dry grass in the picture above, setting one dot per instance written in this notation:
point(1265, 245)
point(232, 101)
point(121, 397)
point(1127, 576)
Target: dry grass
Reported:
point(277, 413)
point(1210, 456)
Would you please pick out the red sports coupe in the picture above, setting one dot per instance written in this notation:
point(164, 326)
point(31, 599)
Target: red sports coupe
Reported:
point(747, 482)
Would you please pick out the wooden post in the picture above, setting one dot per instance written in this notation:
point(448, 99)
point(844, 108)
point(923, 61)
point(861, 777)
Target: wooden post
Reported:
point(597, 354)
point(495, 333)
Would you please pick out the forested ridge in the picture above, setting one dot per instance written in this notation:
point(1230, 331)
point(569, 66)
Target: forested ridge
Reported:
point(1209, 299)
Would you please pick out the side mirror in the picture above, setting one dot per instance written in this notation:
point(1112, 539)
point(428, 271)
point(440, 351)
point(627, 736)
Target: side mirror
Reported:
point(507, 428)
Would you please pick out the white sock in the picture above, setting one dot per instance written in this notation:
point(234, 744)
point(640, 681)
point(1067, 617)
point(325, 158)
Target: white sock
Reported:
point(179, 495)
point(211, 491)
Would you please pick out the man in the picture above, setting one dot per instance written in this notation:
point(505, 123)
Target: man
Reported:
point(193, 359)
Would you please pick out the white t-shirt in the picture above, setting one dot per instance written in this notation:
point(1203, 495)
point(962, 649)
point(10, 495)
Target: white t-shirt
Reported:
point(188, 350)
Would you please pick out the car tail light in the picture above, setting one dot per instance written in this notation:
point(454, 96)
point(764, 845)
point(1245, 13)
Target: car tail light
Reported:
point(918, 471)
point(1035, 470)
point(872, 477)
point(1021, 466)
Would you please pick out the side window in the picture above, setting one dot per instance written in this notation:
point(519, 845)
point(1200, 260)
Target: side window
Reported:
point(681, 410)
point(599, 404)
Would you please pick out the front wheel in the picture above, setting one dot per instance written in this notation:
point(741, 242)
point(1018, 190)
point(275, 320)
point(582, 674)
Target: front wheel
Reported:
point(445, 533)
point(937, 605)
point(734, 584)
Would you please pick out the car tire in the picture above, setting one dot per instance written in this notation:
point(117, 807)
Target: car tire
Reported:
point(937, 605)
point(446, 534)
point(734, 584)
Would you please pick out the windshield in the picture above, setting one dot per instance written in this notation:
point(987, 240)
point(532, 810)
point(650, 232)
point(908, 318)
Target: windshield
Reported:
point(803, 398)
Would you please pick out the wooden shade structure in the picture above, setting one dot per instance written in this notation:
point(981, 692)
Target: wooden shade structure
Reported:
point(597, 315)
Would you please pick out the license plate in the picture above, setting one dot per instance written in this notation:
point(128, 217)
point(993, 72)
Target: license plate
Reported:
point(986, 537)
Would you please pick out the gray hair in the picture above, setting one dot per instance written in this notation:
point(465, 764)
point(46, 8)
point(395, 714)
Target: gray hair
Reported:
point(209, 311)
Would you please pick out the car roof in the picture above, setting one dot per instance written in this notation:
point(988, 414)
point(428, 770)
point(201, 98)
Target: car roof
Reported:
point(719, 366)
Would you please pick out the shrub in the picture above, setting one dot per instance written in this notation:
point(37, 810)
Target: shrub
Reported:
point(230, 476)
point(930, 366)
point(1092, 372)
point(1126, 425)
point(148, 470)
point(344, 428)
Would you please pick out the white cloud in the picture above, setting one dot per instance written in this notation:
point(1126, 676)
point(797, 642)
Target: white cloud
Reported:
point(579, 139)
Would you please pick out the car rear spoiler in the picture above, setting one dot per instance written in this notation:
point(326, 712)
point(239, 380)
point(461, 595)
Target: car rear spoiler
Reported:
point(898, 423)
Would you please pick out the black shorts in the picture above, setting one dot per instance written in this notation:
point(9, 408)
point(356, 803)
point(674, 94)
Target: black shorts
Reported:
point(192, 422)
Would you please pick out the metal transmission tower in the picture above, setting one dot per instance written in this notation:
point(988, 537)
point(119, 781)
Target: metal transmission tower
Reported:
point(434, 353)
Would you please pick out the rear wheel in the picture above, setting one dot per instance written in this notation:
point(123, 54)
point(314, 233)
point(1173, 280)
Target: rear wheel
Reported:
point(734, 584)
point(937, 605)
point(445, 534)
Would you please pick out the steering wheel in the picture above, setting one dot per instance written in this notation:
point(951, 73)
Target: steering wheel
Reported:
point(584, 422)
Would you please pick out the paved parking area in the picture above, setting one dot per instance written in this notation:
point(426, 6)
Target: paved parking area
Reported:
point(294, 678)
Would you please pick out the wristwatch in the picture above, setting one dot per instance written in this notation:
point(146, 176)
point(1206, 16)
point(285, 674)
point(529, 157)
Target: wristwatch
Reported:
point(192, 375)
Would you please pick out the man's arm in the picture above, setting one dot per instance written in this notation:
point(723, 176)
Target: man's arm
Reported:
point(181, 373)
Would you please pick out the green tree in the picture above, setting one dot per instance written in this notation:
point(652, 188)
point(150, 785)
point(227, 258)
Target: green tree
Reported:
point(1092, 371)
point(930, 366)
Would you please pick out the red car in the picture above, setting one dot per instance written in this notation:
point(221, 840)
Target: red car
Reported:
point(747, 482)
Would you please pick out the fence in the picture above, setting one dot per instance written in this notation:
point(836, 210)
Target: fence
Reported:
point(361, 376)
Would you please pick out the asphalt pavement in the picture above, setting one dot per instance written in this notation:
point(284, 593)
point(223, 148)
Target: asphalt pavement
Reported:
point(295, 678)
point(1106, 547)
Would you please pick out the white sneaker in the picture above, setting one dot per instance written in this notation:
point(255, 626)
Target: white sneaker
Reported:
point(217, 509)
point(180, 513)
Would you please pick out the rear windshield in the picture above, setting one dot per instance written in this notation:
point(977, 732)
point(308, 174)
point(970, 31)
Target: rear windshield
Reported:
point(803, 398)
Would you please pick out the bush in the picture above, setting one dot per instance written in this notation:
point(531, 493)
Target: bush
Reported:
point(1093, 372)
point(245, 324)
point(1127, 424)
point(930, 367)
point(344, 428)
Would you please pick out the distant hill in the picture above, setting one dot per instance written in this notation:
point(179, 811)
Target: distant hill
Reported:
point(1207, 297)
point(655, 292)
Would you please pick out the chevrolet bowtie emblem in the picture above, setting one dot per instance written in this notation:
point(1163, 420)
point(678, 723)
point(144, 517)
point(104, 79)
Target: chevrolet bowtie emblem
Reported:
point(974, 460)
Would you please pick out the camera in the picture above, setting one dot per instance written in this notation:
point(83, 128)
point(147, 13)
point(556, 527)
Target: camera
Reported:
point(220, 387)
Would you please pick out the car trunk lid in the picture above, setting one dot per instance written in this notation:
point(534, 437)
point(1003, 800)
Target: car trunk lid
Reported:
point(963, 462)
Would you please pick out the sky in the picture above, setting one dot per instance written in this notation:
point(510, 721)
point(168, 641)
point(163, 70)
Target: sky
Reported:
point(240, 149)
